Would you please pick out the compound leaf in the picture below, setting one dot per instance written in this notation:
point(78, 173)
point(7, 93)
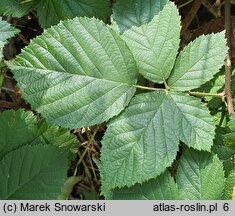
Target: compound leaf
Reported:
point(78, 73)
point(155, 45)
point(198, 62)
point(135, 12)
point(6, 32)
point(200, 176)
point(33, 172)
point(143, 140)
point(161, 188)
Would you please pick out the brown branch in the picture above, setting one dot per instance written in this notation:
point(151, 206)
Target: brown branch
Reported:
point(228, 76)
point(191, 14)
point(218, 7)
point(13, 105)
point(213, 8)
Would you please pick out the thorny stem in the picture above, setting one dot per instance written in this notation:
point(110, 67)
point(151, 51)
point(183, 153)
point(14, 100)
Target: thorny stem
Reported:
point(228, 76)
point(86, 150)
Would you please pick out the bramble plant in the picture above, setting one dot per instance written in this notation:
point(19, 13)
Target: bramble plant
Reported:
point(161, 142)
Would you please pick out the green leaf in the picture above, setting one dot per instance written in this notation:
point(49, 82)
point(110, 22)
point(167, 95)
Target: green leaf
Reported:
point(155, 45)
point(220, 119)
point(15, 8)
point(143, 140)
point(229, 138)
point(51, 134)
point(233, 85)
point(77, 74)
point(200, 176)
point(214, 86)
point(6, 32)
point(50, 12)
point(161, 188)
point(1, 78)
point(20, 128)
point(140, 143)
point(223, 152)
point(231, 123)
point(228, 188)
point(17, 129)
point(193, 122)
point(135, 12)
point(68, 187)
point(33, 172)
point(198, 62)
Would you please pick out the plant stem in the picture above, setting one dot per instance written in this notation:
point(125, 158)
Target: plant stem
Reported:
point(191, 14)
point(184, 4)
point(92, 167)
point(86, 150)
point(148, 88)
point(25, 1)
point(201, 94)
point(166, 86)
point(213, 7)
point(228, 76)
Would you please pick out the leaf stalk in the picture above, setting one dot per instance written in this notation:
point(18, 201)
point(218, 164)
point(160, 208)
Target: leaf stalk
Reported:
point(203, 94)
point(148, 88)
